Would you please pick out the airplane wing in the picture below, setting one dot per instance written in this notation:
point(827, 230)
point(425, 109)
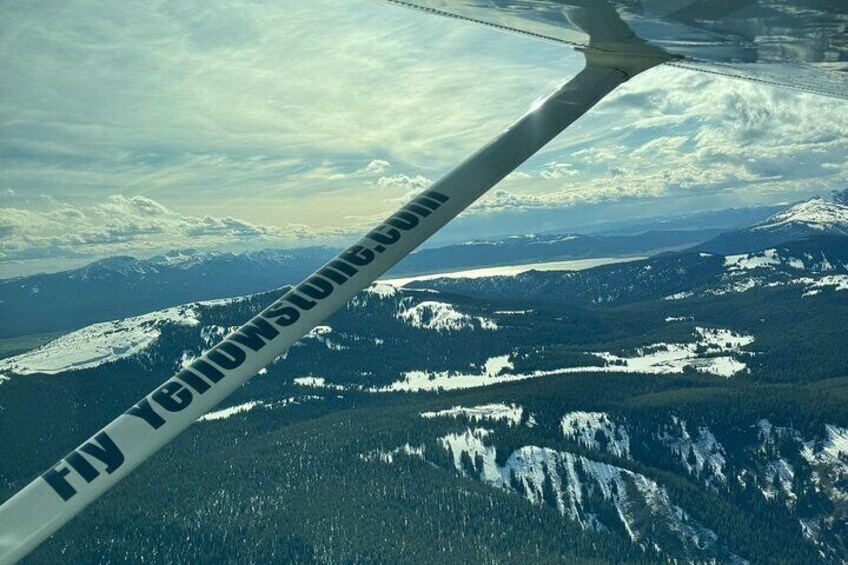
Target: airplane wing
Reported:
point(799, 44)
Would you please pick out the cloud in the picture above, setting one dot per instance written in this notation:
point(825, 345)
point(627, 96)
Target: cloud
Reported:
point(127, 224)
point(557, 170)
point(246, 113)
point(685, 136)
point(216, 98)
point(377, 166)
point(404, 182)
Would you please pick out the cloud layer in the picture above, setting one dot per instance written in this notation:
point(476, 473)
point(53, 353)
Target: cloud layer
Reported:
point(121, 225)
point(680, 134)
point(306, 120)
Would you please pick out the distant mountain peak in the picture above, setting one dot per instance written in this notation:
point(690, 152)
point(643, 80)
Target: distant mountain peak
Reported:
point(122, 265)
point(817, 213)
point(811, 218)
point(182, 258)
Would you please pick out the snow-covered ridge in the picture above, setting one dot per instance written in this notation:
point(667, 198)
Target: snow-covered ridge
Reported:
point(816, 213)
point(808, 476)
point(101, 343)
point(715, 351)
point(497, 412)
point(231, 411)
point(783, 266)
point(107, 342)
point(427, 314)
point(121, 265)
point(809, 286)
point(783, 458)
point(441, 317)
point(542, 473)
point(587, 427)
point(248, 406)
point(739, 265)
point(702, 455)
point(579, 488)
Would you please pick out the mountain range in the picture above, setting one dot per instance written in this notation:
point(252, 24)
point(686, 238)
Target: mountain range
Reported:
point(807, 219)
point(124, 286)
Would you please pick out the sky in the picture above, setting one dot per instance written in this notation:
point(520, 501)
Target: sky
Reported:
point(132, 128)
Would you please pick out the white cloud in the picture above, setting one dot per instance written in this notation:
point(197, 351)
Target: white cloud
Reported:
point(673, 133)
point(126, 224)
point(267, 111)
point(404, 182)
point(555, 170)
point(219, 99)
point(377, 166)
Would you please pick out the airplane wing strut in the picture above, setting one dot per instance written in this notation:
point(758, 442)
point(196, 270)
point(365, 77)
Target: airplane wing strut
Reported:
point(77, 480)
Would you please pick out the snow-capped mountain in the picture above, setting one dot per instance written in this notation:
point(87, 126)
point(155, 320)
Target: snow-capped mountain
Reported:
point(813, 217)
point(123, 286)
point(817, 214)
point(118, 266)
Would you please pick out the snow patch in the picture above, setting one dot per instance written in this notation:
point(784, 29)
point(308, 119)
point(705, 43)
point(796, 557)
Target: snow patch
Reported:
point(679, 295)
point(231, 411)
point(509, 413)
point(321, 334)
point(701, 455)
point(711, 353)
point(317, 382)
point(388, 457)
point(671, 319)
point(595, 430)
point(101, 343)
point(751, 261)
point(441, 316)
point(835, 282)
point(382, 290)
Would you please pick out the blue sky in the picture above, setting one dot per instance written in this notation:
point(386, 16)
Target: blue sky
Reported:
point(136, 127)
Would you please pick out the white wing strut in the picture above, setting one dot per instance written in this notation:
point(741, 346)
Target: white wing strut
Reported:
point(65, 489)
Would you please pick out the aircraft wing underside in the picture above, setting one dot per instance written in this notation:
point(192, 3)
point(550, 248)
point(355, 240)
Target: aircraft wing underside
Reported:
point(799, 44)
